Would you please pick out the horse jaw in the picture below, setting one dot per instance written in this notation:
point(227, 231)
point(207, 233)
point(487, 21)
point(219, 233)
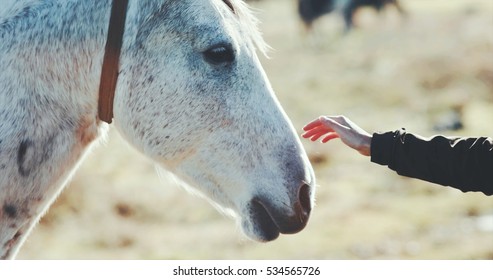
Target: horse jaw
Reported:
point(262, 218)
point(268, 190)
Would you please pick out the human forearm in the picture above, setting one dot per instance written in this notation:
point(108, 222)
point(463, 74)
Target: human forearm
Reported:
point(462, 163)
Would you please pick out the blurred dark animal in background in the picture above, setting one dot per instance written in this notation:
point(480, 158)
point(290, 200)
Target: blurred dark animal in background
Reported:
point(452, 120)
point(310, 10)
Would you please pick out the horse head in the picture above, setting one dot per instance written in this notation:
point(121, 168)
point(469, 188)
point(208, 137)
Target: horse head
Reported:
point(193, 97)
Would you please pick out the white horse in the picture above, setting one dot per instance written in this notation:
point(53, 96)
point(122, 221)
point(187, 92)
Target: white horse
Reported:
point(191, 95)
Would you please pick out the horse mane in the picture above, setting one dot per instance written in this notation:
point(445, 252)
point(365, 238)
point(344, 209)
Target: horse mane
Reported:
point(249, 23)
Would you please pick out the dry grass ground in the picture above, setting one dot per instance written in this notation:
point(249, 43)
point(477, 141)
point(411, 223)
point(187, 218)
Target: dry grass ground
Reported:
point(388, 74)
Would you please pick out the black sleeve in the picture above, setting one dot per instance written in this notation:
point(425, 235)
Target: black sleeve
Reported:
point(462, 163)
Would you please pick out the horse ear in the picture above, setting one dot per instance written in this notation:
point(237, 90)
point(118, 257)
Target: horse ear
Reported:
point(230, 5)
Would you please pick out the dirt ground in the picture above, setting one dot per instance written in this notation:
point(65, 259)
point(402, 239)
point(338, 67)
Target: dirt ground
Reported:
point(414, 72)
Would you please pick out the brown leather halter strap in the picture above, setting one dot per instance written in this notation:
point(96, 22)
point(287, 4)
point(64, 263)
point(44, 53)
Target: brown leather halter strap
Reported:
point(111, 60)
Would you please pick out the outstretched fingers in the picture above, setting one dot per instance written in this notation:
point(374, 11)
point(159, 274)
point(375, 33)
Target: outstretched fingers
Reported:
point(315, 135)
point(318, 128)
point(329, 137)
point(311, 125)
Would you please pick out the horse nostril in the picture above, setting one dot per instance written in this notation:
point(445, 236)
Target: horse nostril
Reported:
point(305, 201)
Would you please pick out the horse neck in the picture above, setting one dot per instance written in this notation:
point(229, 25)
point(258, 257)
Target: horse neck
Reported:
point(53, 50)
point(50, 61)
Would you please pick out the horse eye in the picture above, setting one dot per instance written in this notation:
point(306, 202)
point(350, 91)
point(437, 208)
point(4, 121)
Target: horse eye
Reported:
point(218, 55)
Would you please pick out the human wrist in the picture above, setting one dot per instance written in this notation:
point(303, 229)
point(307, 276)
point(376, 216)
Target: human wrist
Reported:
point(366, 146)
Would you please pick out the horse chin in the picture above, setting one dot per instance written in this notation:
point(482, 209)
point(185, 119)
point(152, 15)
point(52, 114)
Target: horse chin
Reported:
point(261, 226)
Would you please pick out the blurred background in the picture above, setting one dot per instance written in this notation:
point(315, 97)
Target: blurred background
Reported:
point(430, 71)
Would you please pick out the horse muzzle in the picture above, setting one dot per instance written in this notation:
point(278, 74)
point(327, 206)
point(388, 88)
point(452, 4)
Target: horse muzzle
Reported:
point(269, 220)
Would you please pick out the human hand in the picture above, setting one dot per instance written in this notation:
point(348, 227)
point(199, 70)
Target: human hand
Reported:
point(339, 127)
